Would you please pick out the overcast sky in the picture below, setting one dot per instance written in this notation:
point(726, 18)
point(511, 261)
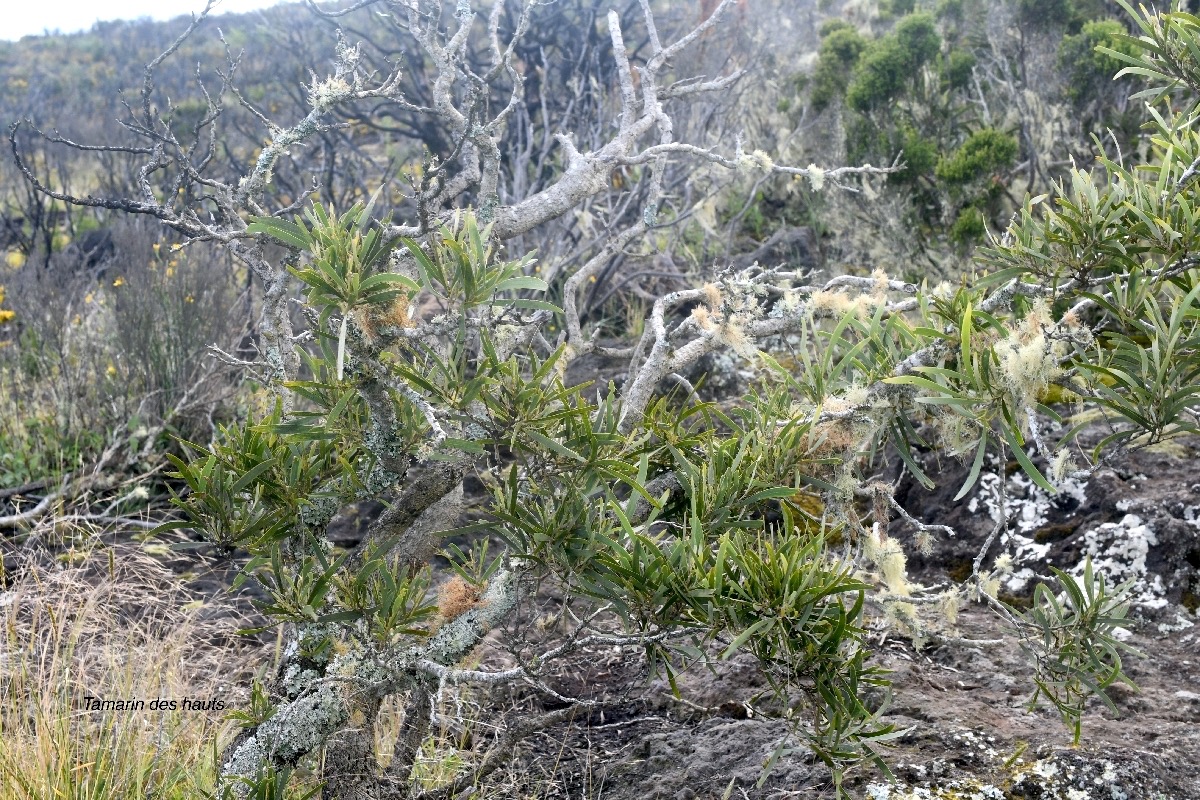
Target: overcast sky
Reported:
point(24, 17)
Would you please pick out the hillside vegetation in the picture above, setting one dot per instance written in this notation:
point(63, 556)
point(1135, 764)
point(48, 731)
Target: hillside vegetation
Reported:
point(413, 383)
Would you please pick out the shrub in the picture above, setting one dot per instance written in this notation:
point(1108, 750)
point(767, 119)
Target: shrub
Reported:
point(1039, 13)
point(669, 525)
point(1089, 68)
point(879, 77)
point(983, 153)
point(840, 49)
point(957, 67)
point(918, 37)
point(968, 227)
point(890, 63)
point(920, 156)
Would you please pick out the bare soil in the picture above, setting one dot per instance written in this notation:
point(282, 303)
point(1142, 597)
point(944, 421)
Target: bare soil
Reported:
point(962, 697)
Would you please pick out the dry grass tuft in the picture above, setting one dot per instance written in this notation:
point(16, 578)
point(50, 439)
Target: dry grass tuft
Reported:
point(115, 625)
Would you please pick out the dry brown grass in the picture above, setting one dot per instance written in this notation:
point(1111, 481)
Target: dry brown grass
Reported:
point(113, 624)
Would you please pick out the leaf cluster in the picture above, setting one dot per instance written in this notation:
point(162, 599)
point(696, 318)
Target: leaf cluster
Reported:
point(463, 268)
point(344, 252)
point(1072, 639)
point(985, 151)
point(888, 63)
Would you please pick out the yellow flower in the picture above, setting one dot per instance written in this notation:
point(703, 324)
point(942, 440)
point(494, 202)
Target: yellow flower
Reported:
point(120, 281)
point(189, 299)
point(90, 297)
point(111, 371)
point(156, 247)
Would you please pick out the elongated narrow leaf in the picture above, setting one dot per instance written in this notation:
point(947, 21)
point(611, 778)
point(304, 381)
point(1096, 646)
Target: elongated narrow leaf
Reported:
point(388, 280)
point(965, 341)
point(556, 447)
point(762, 626)
point(341, 351)
point(907, 457)
point(774, 493)
point(1032, 471)
point(465, 445)
point(976, 466)
point(523, 282)
point(289, 233)
point(918, 381)
point(250, 476)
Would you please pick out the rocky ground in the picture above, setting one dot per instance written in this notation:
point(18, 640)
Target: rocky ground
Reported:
point(962, 697)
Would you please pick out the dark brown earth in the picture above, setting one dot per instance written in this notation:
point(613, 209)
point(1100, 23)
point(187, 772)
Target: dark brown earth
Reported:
point(970, 733)
point(962, 697)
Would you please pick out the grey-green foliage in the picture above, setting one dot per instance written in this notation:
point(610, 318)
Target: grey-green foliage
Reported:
point(570, 500)
point(699, 525)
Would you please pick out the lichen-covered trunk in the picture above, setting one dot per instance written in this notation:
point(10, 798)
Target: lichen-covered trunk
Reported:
point(336, 708)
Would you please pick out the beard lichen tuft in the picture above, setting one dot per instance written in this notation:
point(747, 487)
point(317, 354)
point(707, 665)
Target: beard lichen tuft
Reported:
point(1062, 465)
point(888, 556)
point(1028, 360)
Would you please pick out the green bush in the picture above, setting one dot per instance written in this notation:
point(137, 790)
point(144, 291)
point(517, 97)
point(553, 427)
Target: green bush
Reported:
point(920, 156)
point(1039, 13)
point(1090, 70)
point(840, 50)
point(896, 8)
point(968, 227)
point(918, 36)
point(983, 153)
point(956, 68)
point(888, 65)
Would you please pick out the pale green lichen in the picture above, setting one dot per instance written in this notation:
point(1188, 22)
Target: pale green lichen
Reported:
point(816, 177)
point(757, 161)
point(888, 557)
point(325, 94)
point(1061, 465)
point(317, 512)
point(1030, 357)
point(296, 729)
